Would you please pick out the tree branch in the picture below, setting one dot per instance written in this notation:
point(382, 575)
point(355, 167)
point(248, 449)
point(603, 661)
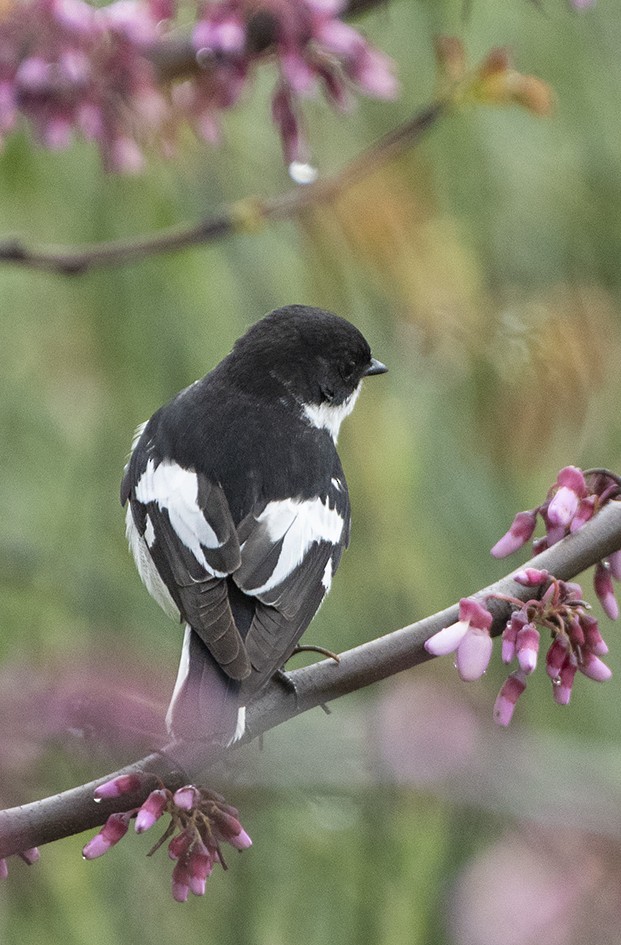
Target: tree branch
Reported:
point(75, 810)
point(243, 216)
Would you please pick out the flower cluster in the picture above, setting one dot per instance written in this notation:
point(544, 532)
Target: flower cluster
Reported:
point(574, 498)
point(576, 641)
point(68, 66)
point(559, 607)
point(200, 821)
point(576, 644)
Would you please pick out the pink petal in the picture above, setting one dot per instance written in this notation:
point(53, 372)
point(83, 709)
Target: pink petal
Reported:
point(571, 477)
point(447, 640)
point(475, 613)
point(473, 654)
point(562, 508)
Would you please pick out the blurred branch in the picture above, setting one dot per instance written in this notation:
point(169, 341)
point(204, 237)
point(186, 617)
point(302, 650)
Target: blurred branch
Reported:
point(174, 57)
point(243, 216)
point(74, 811)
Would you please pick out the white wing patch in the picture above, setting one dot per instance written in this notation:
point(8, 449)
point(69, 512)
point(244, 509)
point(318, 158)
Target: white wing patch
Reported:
point(176, 489)
point(146, 569)
point(298, 523)
point(329, 416)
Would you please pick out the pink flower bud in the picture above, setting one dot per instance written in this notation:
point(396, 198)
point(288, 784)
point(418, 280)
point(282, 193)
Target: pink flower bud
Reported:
point(511, 690)
point(555, 657)
point(521, 531)
point(200, 868)
point(531, 577)
point(594, 668)
point(188, 797)
point(112, 831)
point(30, 856)
point(575, 632)
point(4, 869)
point(240, 841)
point(602, 582)
point(124, 784)
point(448, 639)
point(179, 845)
point(473, 654)
point(527, 648)
point(592, 636)
point(509, 636)
point(151, 810)
point(181, 881)
point(561, 690)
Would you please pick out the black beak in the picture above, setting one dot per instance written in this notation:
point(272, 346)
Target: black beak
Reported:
point(376, 367)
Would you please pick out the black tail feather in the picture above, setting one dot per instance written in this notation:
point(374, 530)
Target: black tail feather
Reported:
point(205, 701)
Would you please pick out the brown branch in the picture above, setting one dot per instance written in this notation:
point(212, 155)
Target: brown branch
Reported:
point(243, 216)
point(74, 811)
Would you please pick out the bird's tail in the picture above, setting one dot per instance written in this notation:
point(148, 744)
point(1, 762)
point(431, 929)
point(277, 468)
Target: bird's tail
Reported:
point(205, 702)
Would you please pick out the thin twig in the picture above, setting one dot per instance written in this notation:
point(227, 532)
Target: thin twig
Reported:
point(243, 216)
point(74, 811)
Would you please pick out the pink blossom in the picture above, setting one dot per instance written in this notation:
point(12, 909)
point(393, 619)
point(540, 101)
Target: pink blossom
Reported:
point(469, 637)
point(521, 531)
point(592, 636)
point(556, 656)
point(151, 810)
point(602, 583)
point(614, 565)
point(112, 831)
point(124, 784)
point(186, 798)
point(563, 684)
point(181, 881)
point(511, 690)
point(531, 577)
point(527, 648)
point(594, 668)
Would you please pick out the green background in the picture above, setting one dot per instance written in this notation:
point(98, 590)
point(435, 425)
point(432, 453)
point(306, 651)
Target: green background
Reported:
point(483, 266)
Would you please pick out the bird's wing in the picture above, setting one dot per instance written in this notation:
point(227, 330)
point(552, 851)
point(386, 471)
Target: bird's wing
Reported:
point(185, 522)
point(289, 553)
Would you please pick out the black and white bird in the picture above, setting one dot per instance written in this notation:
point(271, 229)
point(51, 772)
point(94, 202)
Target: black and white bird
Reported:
point(238, 509)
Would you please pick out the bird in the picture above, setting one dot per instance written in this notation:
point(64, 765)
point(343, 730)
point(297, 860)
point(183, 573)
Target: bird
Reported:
point(238, 509)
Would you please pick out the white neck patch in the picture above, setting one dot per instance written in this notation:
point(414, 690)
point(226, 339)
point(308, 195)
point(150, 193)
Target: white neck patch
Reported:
point(330, 416)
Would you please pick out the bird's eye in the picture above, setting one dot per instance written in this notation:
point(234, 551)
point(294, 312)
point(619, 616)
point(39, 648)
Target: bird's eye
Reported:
point(348, 370)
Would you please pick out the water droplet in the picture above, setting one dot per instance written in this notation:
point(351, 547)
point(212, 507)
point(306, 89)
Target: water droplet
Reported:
point(556, 681)
point(97, 800)
point(302, 173)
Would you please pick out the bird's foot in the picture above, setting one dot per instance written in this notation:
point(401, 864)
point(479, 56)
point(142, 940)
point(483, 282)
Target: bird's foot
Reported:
point(304, 648)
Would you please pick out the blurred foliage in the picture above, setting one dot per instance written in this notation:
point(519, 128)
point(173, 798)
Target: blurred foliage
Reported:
point(484, 269)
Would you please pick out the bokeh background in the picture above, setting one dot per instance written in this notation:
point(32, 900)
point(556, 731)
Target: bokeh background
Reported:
point(484, 268)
